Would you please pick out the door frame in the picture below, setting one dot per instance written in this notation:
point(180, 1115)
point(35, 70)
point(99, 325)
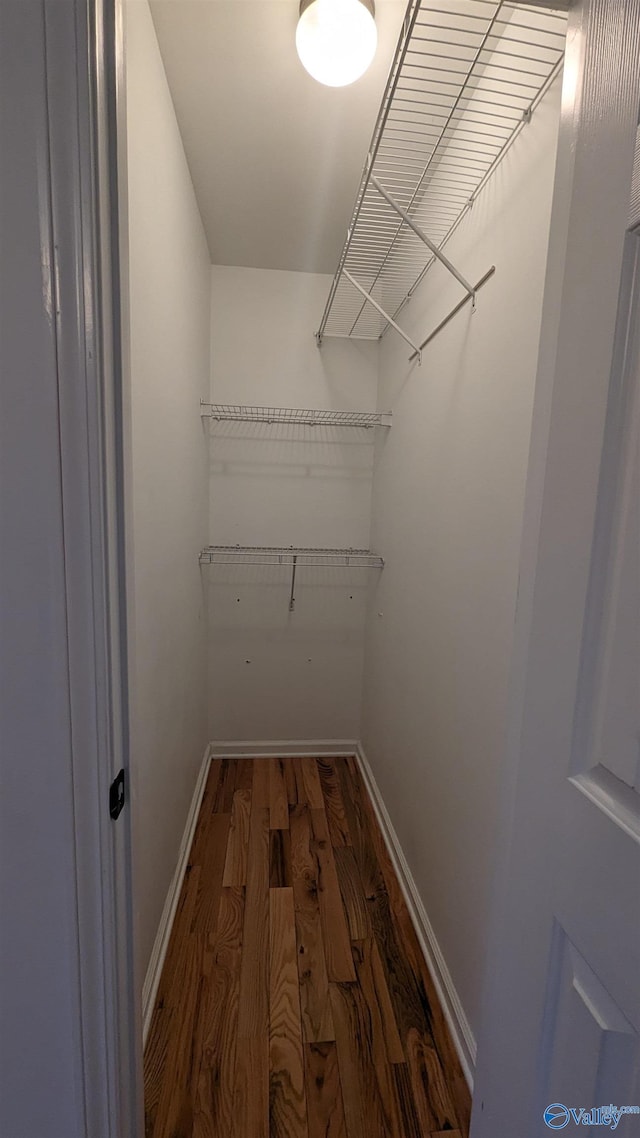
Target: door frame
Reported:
point(84, 66)
point(590, 215)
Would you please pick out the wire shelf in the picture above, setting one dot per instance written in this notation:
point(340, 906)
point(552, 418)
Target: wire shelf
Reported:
point(289, 555)
point(466, 77)
point(307, 417)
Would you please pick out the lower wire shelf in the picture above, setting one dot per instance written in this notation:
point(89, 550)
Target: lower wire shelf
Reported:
point(292, 556)
point(289, 555)
point(293, 416)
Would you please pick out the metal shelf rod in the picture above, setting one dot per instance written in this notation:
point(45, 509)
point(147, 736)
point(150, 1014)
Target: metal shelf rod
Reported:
point(454, 311)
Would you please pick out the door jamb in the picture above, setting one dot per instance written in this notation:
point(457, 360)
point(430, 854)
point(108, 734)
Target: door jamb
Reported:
point(84, 68)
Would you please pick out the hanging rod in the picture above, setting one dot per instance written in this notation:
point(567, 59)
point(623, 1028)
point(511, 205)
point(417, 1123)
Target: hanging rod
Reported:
point(305, 556)
point(466, 78)
point(298, 416)
point(454, 312)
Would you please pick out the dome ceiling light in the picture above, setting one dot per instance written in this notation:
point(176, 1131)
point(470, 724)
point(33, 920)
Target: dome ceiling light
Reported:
point(336, 39)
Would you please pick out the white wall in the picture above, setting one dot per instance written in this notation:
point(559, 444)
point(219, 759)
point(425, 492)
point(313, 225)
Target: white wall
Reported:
point(169, 313)
point(276, 674)
point(447, 515)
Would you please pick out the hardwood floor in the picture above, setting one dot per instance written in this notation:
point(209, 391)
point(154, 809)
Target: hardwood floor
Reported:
point(294, 1000)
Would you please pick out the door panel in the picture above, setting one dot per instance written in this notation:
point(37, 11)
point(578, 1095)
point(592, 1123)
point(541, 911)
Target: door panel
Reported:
point(617, 726)
point(562, 1007)
point(591, 1049)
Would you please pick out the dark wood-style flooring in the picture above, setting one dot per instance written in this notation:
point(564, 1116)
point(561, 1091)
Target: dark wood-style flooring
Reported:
point(294, 1000)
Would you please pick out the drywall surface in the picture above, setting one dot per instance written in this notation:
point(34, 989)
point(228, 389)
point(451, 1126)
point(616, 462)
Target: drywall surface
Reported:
point(276, 674)
point(169, 315)
point(447, 515)
point(41, 1069)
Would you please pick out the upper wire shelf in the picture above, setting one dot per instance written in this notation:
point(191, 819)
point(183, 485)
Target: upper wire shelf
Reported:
point(466, 77)
point(230, 412)
point(301, 556)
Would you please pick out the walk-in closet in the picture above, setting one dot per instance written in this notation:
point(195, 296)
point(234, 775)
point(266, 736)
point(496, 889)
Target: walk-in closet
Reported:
point(334, 298)
point(320, 570)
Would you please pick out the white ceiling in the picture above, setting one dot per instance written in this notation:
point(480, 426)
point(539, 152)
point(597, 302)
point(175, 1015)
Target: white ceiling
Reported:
point(275, 157)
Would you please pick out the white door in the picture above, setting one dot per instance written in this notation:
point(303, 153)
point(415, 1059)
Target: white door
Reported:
point(560, 1041)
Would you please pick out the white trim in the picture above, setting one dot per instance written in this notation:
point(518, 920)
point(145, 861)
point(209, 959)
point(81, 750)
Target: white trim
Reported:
point(459, 1026)
point(79, 75)
point(265, 748)
point(161, 943)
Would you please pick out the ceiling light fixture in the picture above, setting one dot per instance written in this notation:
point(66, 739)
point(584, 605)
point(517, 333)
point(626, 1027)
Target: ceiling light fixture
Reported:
point(336, 39)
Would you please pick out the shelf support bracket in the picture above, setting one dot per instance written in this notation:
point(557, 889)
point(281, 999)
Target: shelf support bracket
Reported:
point(454, 311)
point(380, 309)
point(423, 237)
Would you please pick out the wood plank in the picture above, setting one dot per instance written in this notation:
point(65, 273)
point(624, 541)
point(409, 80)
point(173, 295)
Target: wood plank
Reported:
point(171, 980)
point(446, 1134)
point(279, 858)
point(226, 786)
point(438, 1026)
point(402, 960)
point(216, 1029)
point(409, 1003)
point(244, 774)
point(335, 931)
point(260, 783)
point(352, 892)
point(235, 867)
point(278, 801)
point(212, 862)
point(367, 1106)
point(316, 1015)
point(206, 809)
point(325, 1108)
point(155, 1063)
point(308, 782)
point(406, 1101)
point(290, 781)
point(174, 1118)
point(431, 1094)
point(287, 1101)
point(168, 1000)
point(251, 1100)
point(211, 786)
point(406, 935)
point(374, 988)
point(353, 794)
point(379, 1031)
point(334, 806)
point(253, 1012)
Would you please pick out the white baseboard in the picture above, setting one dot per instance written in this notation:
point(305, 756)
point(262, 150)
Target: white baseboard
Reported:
point(154, 971)
point(264, 748)
point(459, 1026)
